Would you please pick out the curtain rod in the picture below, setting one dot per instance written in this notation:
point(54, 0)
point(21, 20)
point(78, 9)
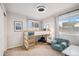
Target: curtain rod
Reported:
point(69, 12)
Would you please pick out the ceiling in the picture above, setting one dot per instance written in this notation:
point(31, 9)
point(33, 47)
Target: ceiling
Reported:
point(30, 9)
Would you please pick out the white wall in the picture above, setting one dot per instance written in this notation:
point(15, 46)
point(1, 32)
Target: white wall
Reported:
point(15, 38)
point(3, 30)
point(5, 33)
point(50, 21)
point(2, 39)
point(5, 27)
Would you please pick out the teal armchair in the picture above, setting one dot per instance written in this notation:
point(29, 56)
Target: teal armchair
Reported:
point(59, 44)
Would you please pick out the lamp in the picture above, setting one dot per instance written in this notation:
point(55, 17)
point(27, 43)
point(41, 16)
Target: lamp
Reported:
point(41, 8)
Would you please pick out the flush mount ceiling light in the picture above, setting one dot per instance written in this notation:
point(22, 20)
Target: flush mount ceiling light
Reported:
point(41, 8)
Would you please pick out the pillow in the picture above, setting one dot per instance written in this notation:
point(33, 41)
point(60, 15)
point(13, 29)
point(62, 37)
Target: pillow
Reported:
point(64, 43)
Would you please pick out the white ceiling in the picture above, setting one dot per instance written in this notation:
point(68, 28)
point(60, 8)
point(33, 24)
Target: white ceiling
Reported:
point(30, 9)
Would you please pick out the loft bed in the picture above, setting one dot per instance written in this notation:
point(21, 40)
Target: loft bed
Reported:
point(31, 37)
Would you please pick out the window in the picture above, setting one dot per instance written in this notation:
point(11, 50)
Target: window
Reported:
point(69, 24)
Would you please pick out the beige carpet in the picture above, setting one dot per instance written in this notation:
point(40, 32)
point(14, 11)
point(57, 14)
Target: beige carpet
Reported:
point(38, 50)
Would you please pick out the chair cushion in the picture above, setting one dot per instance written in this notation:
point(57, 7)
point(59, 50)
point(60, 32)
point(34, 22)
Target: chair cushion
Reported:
point(64, 43)
point(57, 45)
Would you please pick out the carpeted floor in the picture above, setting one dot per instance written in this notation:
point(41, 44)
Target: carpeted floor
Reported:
point(38, 50)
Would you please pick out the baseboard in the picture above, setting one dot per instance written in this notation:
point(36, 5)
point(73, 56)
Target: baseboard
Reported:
point(14, 47)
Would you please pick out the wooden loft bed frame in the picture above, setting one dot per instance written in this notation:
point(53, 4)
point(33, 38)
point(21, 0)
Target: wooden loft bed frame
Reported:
point(30, 41)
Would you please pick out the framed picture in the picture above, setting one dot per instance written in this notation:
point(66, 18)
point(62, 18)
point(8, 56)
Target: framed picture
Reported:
point(33, 24)
point(18, 26)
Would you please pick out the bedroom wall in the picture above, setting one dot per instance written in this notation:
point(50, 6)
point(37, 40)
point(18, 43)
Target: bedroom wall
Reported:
point(15, 38)
point(50, 21)
point(5, 27)
point(5, 33)
point(2, 32)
